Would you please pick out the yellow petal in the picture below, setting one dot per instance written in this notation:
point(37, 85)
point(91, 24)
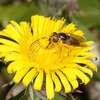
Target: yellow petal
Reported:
point(71, 77)
point(64, 81)
point(81, 76)
point(88, 42)
point(20, 74)
point(38, 81)
point(74, 83)
point(85, 70)
point(5, 48)
point(87, 54)
point(49, 87)
point(29, 77)
point(69, 73)
point(58, 25)
point(88, 48)
point(78, 33)
point(12, 66)
point(11, 32)
point(70, 28)
point(9, 43)
point(87, 62)
point(25, 29)
point(34, 25)
point(15, 66)
point(15, 26)
point(56, 82)
point(11, 56)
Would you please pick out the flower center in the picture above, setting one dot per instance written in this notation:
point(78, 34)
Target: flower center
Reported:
point(50, 58)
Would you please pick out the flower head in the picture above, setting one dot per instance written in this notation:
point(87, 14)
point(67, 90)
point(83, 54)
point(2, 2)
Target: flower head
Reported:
point(39, 57)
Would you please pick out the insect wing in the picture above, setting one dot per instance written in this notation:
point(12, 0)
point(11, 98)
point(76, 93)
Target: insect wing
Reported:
point(78, 38)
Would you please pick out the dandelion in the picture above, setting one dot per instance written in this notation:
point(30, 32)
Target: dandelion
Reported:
point(47, 61)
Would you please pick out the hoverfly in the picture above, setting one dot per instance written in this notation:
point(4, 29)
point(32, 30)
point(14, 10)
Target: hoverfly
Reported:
point(66, 39)
point(55, 37)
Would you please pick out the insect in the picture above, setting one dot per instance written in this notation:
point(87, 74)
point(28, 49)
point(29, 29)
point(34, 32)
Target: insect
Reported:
point(55, 37)
point(65, 38)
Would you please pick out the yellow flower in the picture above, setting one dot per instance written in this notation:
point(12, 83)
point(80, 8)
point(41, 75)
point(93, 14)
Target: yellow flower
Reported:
point(38, 60)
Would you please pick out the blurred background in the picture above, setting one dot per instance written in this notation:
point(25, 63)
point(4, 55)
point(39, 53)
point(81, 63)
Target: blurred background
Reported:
point(85, 13)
